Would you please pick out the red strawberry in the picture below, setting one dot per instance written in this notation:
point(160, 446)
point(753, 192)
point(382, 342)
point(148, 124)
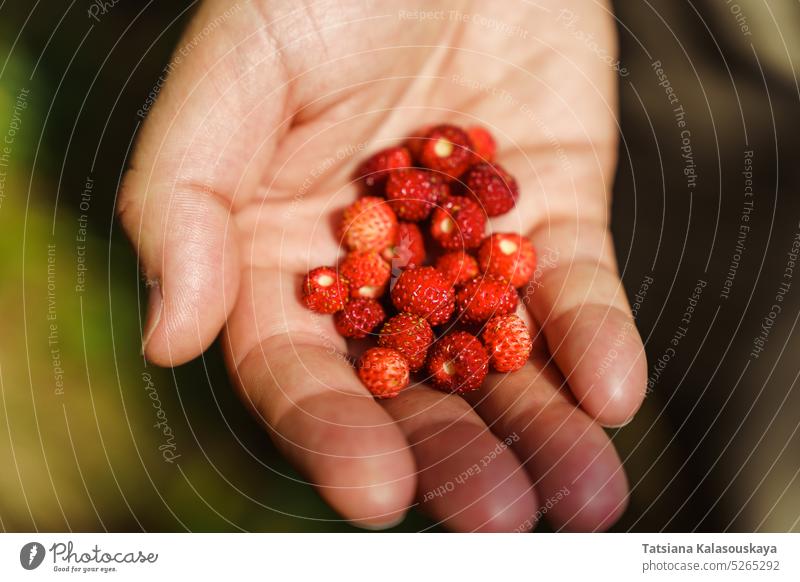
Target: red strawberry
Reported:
point(508, 342)
point(383, 371)
point(424, 292)
point(367, 273)
point(457, 267)
point(409, 248)
point(376, 169)
point(413, 193)
point(446, 149)
point(493, 187)
point(485, 297)
point(458, 223)
point(458, 363)
point(508, 255)
point(483, 144)
point(416, 141)
point(368, 225)
point(358, 318)
point(324, 291)
point(409, 334)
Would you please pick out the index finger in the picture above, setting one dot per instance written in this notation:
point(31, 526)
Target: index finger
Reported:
point(291, 372)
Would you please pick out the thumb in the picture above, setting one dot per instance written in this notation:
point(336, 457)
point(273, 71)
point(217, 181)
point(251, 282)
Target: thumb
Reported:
point(197, 159)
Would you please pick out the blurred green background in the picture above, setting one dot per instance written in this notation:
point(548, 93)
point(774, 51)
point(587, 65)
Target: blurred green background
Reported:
point(709, 451)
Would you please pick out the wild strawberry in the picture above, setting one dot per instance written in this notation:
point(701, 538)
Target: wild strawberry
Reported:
point(483, 144)
point(493, 187)
point(383, 371)
point(446, 149)
point(458, 363)
point(457, 267)
point(424, 292)
point(324, 291)
point(416, 141)
point(368, 225)
point(408, 250)
point(367, 273)
point(358, 318)
point(376, 169)
point(508, 255)
point(485, 297)
point(508, 342)
point(409, 334)
point(413, 193)
point(458, 223)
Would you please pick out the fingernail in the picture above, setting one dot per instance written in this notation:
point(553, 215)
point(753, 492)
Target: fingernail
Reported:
point(380, 526)
point(155, 305)
point(620, 425)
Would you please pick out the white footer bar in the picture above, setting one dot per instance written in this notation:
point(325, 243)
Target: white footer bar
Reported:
point(389, 557)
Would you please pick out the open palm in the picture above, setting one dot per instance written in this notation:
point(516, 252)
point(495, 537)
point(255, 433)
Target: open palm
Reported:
point(243, 167)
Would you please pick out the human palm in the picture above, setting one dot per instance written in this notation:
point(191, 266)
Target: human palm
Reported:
point(249, 154)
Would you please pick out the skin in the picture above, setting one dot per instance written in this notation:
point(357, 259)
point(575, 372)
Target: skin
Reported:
point(229, 202)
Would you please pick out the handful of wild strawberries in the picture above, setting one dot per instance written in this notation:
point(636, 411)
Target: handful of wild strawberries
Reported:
point(447, 176)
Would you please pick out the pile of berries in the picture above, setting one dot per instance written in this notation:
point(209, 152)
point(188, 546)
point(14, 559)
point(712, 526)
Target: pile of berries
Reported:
point(450, 315)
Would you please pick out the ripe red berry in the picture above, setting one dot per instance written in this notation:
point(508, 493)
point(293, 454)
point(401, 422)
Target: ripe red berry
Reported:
point(367, 273)
point(446, 149)
point(483, 145)
point(376, 169)
point(485, 297)
point(458, 223)
point(493, 187)
point(409, 334)
point(508, 342)
point(457, 267)
point(412, 193)
point(508, 255)
point(368, 225)
point(416, 141)
point(408, 250)
point(458, 363)
point(383, 371)
point(425, 292)
point(359, 318)
point(324, 291)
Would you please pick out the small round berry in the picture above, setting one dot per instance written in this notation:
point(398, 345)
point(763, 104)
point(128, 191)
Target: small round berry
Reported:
point(374, 171)
point(368, 225)
point(359, 318)
point(483, 145)
point(446, 149)
point(493, 187)
point(408, 251)
point(324, 291)
point(485, 297)
point(425, 292)
point(508, 342)
point(508, 255)
point(458, 223)
point(412, 193)
point(458, 363)
point(409, 334)
point(416, 141)
point(457, 267)
point(383, 371)
point(367, 273)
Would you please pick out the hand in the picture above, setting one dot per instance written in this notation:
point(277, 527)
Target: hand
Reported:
point(229, 202)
